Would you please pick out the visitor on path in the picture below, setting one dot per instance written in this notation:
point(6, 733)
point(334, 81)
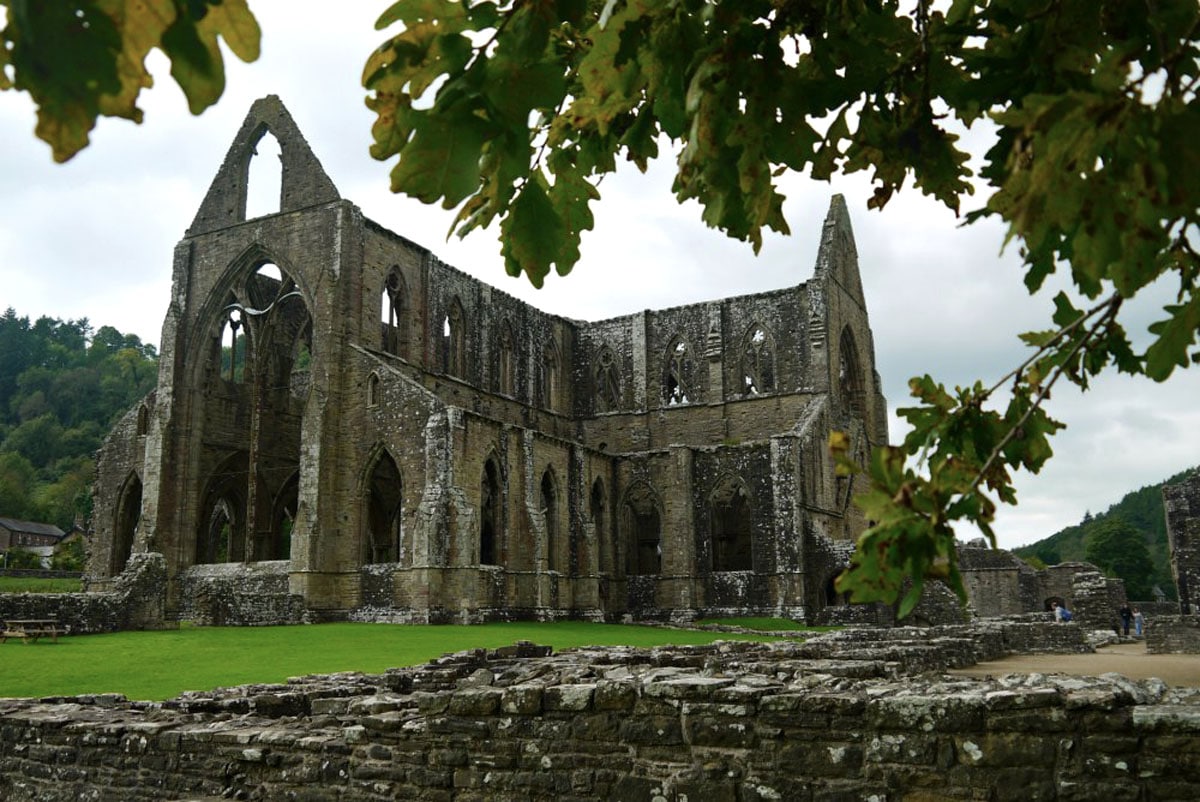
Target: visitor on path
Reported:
point(1126, 617)
point(1139, 622)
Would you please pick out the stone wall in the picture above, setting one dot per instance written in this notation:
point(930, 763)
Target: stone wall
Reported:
point(241, 594)
point(137, 601)
point(1181, 506)
point(733, 721)
point(1178, 634)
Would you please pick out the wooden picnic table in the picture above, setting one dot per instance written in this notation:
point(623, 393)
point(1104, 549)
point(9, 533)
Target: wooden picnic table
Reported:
point(30, 629)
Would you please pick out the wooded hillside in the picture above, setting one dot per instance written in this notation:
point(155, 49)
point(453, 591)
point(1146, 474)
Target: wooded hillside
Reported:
point(62, 386)
point(1141, 511)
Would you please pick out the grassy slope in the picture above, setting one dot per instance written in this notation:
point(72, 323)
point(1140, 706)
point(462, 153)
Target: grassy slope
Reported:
point(159, 665)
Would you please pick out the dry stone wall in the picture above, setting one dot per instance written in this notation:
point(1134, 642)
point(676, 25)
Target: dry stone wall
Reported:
point(851, 716)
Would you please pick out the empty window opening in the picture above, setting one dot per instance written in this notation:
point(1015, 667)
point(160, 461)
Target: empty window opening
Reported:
point(758, 363)
point(220, 544)
point(598, 508)
point(276, 543)
point(385, 520)
point(233, 347)
point(677, 375)
point(454, 340)
point(373, 390)
point(607, 382)
point(507, 378)
point(392, 313)
point(643, 532)
point(129, 515)
point(549, 384)
point(143, 420)
point(732, 539)
point(264, 182)
point(550, 516)
point(850, 383)
point(490, 509)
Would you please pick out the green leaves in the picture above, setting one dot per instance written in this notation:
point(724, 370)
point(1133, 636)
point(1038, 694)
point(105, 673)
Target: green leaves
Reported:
point(81, 60)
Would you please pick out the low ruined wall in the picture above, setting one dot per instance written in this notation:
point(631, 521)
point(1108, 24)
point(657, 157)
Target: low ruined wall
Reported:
point(137, 601)
point(1179, 634)
point(733, 721)
point(239, 594)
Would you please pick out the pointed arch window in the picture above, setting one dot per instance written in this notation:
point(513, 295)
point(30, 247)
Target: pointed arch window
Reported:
point(549, 384)
point(129, 515)
point(506, 369)
point(549, 499)
point(678, 385)
point(607, 382)
point(730, 518)
point(392, 308)
point(642, 531)
point(454, 339)
point(264, 177)
point(758, 362)
point(490, 514)
point(384, 542)
point(232, 345)
point(850, 379)
point(598, 510)
point(373, 390)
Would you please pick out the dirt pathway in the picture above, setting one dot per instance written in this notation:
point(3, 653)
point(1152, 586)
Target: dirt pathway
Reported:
point(1129, 659)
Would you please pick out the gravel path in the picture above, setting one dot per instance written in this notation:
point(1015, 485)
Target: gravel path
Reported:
point(1129, 659)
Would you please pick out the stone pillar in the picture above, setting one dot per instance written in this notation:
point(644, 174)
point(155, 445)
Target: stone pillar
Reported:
point(1181, 505)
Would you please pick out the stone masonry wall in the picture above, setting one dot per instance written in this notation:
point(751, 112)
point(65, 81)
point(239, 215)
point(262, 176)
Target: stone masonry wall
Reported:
point(137, 601)
point(1178, 634)
point(1181, 505)
point(853, 715)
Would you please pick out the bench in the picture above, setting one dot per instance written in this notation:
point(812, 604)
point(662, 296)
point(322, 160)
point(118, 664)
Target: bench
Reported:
point(30, 629)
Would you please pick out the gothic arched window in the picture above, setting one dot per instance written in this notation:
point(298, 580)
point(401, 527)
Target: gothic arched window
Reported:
point(607, 382)
point(677, 374)
point(758, 362)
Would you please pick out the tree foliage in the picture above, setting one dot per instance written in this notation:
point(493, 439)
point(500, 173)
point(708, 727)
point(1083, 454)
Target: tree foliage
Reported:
point(62, 387)
point(84, 59)
point(1120, 549)
point(516, 110)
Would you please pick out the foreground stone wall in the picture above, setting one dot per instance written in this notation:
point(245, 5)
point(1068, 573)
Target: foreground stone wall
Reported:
point(1178, 634)
point(735, 721)
point(137, 601)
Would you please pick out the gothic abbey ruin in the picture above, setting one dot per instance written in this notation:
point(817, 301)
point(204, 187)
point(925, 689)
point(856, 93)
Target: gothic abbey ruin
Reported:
point(395, 440)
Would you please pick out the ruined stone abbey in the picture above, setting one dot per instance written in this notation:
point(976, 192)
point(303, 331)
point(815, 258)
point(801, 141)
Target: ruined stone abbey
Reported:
point(348, 427)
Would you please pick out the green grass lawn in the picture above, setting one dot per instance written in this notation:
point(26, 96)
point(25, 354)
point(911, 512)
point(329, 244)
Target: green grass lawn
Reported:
point(159, 665)
point(20, 584)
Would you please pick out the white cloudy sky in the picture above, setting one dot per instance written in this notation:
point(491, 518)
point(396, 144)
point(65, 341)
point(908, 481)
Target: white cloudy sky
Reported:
point(94, 238)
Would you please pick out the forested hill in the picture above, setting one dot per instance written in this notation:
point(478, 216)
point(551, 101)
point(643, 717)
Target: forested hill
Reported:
point(62, 386)
point(1114, 539)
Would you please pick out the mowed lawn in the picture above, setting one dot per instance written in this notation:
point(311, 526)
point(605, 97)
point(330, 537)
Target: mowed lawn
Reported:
point(159, 665)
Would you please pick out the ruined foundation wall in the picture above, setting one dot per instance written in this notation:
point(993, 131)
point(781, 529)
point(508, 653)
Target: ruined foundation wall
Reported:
point(733, 721)
point(1178, 634)
point(137, 601)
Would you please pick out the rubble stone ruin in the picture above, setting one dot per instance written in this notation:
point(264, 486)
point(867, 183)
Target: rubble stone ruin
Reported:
point(344, 426)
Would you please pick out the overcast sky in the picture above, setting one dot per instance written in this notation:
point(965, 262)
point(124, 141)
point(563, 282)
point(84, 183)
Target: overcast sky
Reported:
point(94, 238)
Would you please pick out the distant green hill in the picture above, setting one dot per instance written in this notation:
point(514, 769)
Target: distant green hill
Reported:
point(1143, 509)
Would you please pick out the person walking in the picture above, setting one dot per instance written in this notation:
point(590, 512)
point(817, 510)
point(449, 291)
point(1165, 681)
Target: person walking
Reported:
point(1126, 618)
point(1139, 622)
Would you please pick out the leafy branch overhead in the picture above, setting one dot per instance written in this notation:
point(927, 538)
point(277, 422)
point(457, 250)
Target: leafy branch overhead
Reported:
point(86, 59)
point(517, 110)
